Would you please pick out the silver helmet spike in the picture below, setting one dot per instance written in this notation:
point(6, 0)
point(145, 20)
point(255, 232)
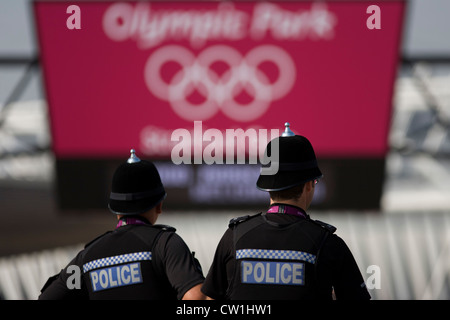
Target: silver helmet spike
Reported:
point(133, 158)
point(287, 131)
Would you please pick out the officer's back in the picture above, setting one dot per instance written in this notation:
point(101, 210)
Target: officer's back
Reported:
point(138, 259)
point(282, 253)
point(126, 257)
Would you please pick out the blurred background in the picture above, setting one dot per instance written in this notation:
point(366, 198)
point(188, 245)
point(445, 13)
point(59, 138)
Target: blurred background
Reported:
point(388, 194)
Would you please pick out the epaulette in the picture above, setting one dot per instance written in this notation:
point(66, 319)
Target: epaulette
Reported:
point(326, 226)
point(235, 221)
point(164, 227)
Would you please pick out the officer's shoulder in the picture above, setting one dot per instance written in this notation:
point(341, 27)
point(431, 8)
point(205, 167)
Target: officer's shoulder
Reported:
point(328, 227)
point(96, 239)
point(164, 227)
point(235, 221)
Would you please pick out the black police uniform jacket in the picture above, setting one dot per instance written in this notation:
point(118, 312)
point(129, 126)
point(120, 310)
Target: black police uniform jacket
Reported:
point(131, 262)
point(281, 257)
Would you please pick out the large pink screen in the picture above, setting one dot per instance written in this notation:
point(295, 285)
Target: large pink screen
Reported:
point(136, 71)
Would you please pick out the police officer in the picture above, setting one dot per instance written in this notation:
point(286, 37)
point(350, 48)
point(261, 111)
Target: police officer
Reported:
point(283, 253)
point(139, 259)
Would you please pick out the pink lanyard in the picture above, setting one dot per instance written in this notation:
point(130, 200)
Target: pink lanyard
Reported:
point(127, 221)
point(287, 209)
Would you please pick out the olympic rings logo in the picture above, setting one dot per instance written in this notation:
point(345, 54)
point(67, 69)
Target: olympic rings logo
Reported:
point(220, 91)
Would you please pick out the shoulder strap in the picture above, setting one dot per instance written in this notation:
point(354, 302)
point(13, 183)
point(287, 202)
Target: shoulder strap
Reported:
point(96, 239)
point(164, 227)
point(235, 221)
point(239, 229)
point(151, 238)
point(161, 229)
point(325, 225)
point(329, 229)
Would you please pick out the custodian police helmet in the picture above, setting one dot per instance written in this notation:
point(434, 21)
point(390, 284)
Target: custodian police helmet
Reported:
point(136, 187)
point(297, 163)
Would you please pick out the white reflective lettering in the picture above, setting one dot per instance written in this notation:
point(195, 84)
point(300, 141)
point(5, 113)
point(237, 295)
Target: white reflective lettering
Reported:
point(94, 280)
point(116, 276)
point(271, 272)
point(112, 282)
point(297, 275)
point(125, 279)
point(284, 278)
point(246, 270)
point(103, 278)
point(269, 279)
point(135, 273)
point(259, 272)
point(119, 279)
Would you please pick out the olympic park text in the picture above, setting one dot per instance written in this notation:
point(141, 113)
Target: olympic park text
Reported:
point(212, 152)
point(149, 25)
